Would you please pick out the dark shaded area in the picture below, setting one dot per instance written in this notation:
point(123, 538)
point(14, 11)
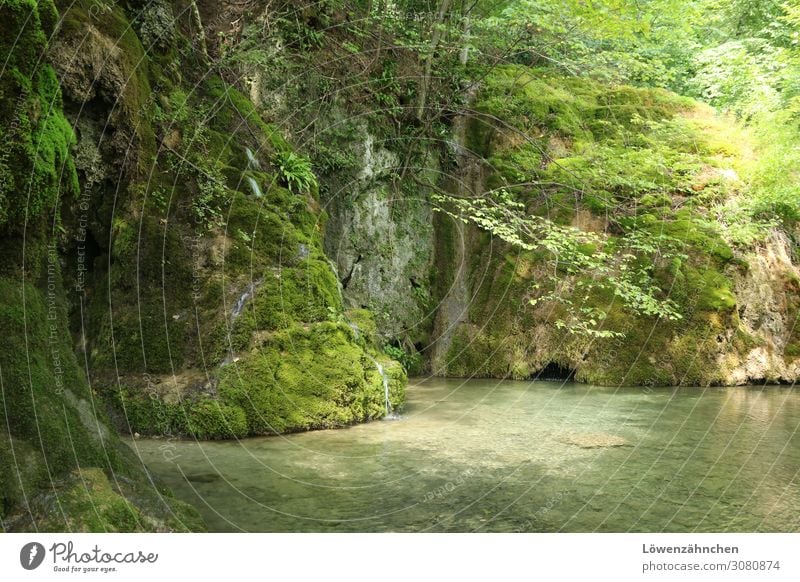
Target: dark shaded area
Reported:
point(553, 371)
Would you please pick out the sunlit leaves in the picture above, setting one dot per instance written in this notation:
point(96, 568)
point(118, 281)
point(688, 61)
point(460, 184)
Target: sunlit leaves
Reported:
point(580, 263)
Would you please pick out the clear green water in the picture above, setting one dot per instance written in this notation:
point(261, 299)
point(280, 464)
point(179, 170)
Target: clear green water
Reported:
point(488, 455)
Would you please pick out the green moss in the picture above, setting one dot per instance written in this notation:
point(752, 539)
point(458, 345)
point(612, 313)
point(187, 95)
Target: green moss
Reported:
point(183, 229)
point(306, 378)
point(364, 321)
point(655, 201)
point(36, 136)
point(477, 355)
point(242, 111)
point(38, 371)
point(697, 234)
point(23, 37)
point(148, 412)
point(577, 107)
point(87, 501)
point(480, 129)
point(93, 506)
point(517, 166)
point(132, 103)
point(308, 292)
point(56, 446)
point(270, 237)
point(143, 411)
point(210, 419)
point(713, 288)
point(53, 425)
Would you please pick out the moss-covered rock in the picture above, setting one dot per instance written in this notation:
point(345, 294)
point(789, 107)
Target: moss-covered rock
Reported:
point(621, 162)
point(35, 164)
point(310, 377)
point(201, 251)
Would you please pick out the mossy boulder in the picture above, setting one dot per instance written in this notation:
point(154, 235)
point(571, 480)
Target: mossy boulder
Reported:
point(309, 377)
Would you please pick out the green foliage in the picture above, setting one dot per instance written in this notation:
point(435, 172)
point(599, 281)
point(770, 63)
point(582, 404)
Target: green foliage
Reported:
point(295, 171)
point(411, 361)
point(641, 43)
point(211, 198)
point(624, 269)
point(189, 118)
point(775, 181)
point(744, 76)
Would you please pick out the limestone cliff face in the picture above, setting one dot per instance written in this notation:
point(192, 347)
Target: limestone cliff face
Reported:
point(755, 342)
point(455, 245)
point(380, 238)
point(206, 231)
point(348, 104)
point(768, 301)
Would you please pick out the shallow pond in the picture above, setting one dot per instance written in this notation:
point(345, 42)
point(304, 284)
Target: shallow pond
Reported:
point(490, 455)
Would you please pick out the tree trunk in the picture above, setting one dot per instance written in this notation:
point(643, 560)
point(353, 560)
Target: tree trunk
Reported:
point(201, 31)
point(436, 37)
point(464, 54)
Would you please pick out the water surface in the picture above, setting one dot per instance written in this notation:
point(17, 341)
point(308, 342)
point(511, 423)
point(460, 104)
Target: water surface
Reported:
point(489, 455)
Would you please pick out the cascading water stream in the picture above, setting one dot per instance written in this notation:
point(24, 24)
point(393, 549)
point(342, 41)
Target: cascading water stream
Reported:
point(254, 187)
point(339, 286)
point(385, 379)
point(238, 307)
point(252, 162)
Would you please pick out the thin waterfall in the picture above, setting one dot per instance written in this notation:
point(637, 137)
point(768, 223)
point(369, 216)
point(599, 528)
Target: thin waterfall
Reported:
point(339, 286)
point(238, 307)
point(237, 310)
point(252, 162)
point(254, 187)
point(385, 379)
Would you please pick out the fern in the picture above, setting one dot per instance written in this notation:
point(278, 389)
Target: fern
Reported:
point(295, 172)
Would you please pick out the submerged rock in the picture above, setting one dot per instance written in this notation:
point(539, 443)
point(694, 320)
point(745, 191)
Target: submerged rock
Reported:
point(594, 440)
